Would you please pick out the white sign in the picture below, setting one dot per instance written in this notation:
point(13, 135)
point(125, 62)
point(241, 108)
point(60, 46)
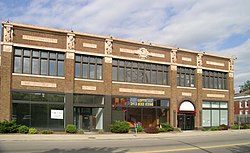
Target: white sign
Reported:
point(56, 114)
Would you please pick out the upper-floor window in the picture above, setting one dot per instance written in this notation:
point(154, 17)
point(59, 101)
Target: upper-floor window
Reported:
point(185, 77)
point(241, 103)
point(246, 104)
point(88, 67)
point(40, 62)
point(139, 72)
point(214, 80)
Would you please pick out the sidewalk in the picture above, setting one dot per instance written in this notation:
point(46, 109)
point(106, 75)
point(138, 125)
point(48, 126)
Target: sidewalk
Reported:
point(111, 136)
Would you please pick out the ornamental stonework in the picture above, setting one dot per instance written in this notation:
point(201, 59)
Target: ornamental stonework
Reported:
point(71, 41)
point(108, 46)
point(173, 56)
point(231, 64)
point(8, 33)
point(143, 53)
point(199, 60)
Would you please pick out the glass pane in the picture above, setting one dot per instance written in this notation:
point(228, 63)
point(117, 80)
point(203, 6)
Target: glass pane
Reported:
point(192, 81)
point(165, 103)
point(21, 113)
point(114, 73)
point(92, 71)
point(159, 67)
point(147, 76)
point(92, 60)
point(26, 52)
point(52, 55)
point(128, 75)
point(165, 78)
point(39, 115)
point(121, 74)
point(77, 70)
point(61, 56)
point(26, 65)
point(38, 97)
point(141, 76)
point(153, 77)
point(215, 118)
point(99, 72)
point(17, 64)
point(206, 105)
point(128, 64)
point(99, 60)
point(182, 80)
point(206, 118)
point(223, 117)
point(134, 75)
point(52, 67)
point(223, 104)
point(43, 66)
point(35, 66)
point(97, 118)
point(121, 63)
point(215, 104)
point(159, 78)
point(18, 51)
point(56, 123)
point(114, 62)
point(206, 82)
point(60, 68)
point(84, 70)
point(153, 66)
point(35, 53)
point(187, 81)
point(78, 58)
point(85, 59)
point(178, 80)
point(44, 54)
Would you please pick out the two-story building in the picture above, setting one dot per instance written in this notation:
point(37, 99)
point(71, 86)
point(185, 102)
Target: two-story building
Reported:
point(51, 77)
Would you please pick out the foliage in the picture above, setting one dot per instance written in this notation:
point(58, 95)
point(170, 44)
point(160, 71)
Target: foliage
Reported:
point(8, 126)
point(70, 128)
point(47, 132)
point(223, 127)
point(120, 127)
point(33, 131)
point(140, 129)
point(245, 86)
point(23, 129)
point(152, 130)
point(248, 126)
point(162, 130)
point(235, 127)
point(215, 128)
point(167, 127)
point(80, 131)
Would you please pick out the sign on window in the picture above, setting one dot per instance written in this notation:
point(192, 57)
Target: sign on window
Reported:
point(56, 114)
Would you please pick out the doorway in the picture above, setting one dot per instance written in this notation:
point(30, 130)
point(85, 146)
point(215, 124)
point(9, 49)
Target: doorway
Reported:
point(186, 121)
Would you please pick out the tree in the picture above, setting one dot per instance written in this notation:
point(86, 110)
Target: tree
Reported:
point(245, 86)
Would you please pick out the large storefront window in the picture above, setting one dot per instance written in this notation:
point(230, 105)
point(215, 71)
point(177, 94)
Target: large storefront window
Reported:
point(40, 110)
point(148, 111)
point(214, 79)
point(139, 72)
point(214, 113)
point(185, 77)
point(88, 111)
point(88, 67)
point(30, 61)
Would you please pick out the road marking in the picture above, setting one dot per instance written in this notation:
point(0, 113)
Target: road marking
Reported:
point(193, 148)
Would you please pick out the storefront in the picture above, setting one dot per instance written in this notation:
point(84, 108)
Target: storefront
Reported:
point(147, 111)
point(186, 116)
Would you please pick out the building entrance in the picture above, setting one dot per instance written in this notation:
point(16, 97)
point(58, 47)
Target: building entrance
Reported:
point(186, 116)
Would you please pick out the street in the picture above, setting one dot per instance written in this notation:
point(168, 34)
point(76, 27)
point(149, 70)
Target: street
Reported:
point(231, 142)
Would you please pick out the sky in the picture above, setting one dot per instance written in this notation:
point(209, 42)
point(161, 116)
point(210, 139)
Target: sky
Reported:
point(216, 26)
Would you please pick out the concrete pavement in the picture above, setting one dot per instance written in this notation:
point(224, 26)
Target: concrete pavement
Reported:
point(111, 136)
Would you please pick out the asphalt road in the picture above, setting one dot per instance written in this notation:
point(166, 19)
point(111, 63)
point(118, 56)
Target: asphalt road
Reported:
point(226, 143)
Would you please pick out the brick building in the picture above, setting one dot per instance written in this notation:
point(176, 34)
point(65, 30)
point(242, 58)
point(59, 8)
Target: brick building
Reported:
point(51, 77)
point(241, 107)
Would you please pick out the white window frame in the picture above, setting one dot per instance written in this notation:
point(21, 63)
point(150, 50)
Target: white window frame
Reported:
point(246, 104)
point(240, 104)
point(241, 112)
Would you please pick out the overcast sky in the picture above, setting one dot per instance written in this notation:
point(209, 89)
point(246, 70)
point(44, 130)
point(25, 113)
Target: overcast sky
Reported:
point(214, 26)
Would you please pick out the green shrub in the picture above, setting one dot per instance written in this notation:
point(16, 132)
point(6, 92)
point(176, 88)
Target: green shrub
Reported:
point(33, 131)
point(235, 127)
point(120, 127)
point(8, 126)
point(215, 128)
point(140, 129)
point(152, 130)
point(47, 132)
point(223, 127)
point(248, 126)
point(167, 127)
point(205, 129)
point(80, 131)
point(23, 129)
point(70, 128)
point(162, 130)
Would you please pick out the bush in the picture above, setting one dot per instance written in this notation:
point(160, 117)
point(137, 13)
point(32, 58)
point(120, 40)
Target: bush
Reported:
point(152, 130)
point(120, 127)
point(23, 129)
point(33, 131)
point(101, 131)
point(140, 129)
point(223, 127)
point(70, 128)
point(8, 126)
point(162, 130)
point(47, 132)
point(80, 131)
point(167, 127)
point(248, 126)
point(215, 128)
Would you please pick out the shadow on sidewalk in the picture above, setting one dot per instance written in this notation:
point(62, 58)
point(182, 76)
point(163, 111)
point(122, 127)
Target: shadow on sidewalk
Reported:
point(240, 149)
point(87, 150)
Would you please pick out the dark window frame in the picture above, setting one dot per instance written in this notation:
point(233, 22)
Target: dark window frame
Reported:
point(209, 77)
point(188, 74)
